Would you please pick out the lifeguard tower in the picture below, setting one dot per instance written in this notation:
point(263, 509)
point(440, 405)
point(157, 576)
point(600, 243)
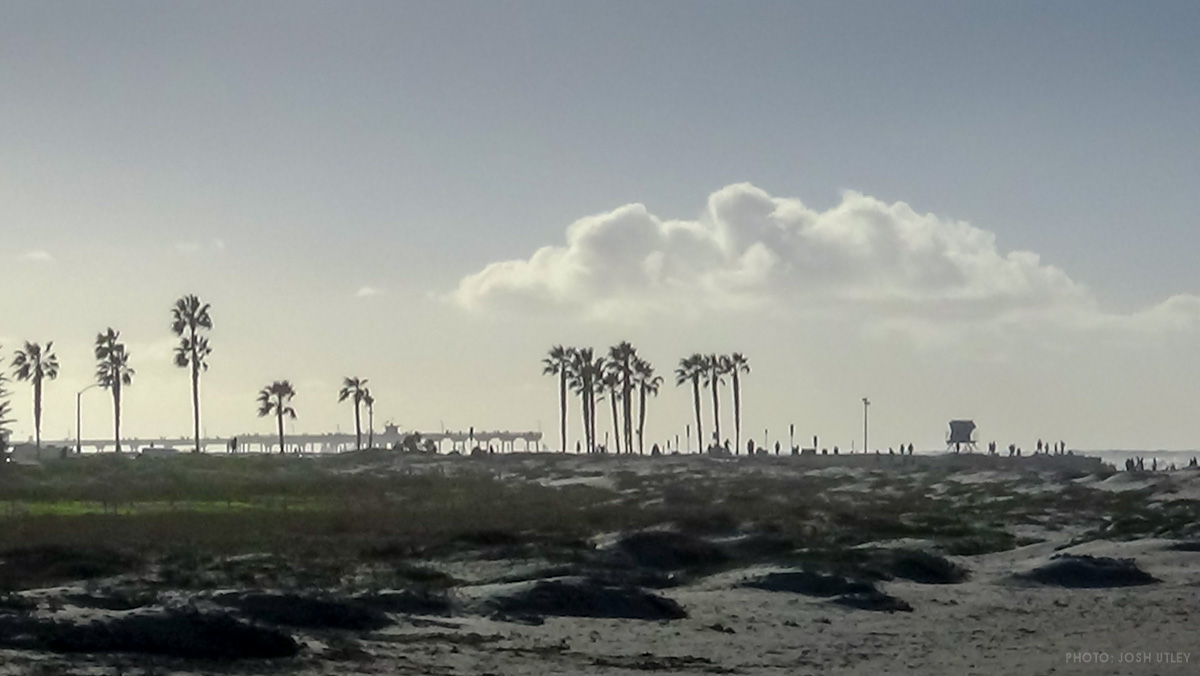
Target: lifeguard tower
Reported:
point(961, 436)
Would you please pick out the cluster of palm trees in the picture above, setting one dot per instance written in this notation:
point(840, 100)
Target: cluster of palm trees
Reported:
point(191, 320)
point(276, 399)
point(36, 363)
point(619, 376)
point(710, 371)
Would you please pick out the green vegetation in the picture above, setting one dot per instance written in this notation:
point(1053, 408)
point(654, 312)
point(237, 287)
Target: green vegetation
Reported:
point(379, 518)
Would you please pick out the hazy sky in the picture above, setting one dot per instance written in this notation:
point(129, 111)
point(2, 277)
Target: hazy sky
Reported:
point(958, 209)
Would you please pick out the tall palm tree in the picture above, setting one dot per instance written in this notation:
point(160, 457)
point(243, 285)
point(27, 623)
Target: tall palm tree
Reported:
point(4, 408)
point(714, 377)
point(584, 379)
point(558, 363)
point(369, 402)
point(737, 365)
point(113, 373)
point(355, 388)
point(277, 398)
point(36, 363)
point(609, 382)
point(647, 383)
point(690, 369)
point(622, 356)
point(577, 381)
point(188, 318)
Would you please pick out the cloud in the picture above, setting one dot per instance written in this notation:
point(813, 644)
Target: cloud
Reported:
point(194, 248)
point(367, 291)
point(750, 251)
point(38, 256)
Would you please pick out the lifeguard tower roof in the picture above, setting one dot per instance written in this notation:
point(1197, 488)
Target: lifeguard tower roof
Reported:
point(961, 432)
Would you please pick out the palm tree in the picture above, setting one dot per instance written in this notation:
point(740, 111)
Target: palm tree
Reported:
point(714, 378)
point(113, 373)
point(36, 363)
point(737, 365)
point(648, 383)
point(369, 402)
point(689, 370)
point(188, 318)
point(277, 398)
point(356, 388)
point(622, 357)
point(583, 378)
point(558, 363)
point(578, 384)
point(610, 381)
point(4, 409)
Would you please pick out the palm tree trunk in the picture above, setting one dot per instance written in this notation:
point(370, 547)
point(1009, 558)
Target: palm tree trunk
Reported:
point(642, 422)
point(117, 416)
point(371, 426)
point(591, 399)
point(279, 417)
point(37, 413)
point(737, 411)
point(716, 410)
point(612, 395)
point(357, 428)
point(627, 392)
point(587, 430)
point(696, 403)
point(562, 407)
point(195, 396)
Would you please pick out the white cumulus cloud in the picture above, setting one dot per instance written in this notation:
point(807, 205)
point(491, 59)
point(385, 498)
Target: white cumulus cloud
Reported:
point(38, 256)
point(751, 251)
point(367, 292)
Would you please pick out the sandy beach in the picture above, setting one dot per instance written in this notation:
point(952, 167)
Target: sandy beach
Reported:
point(847, 565)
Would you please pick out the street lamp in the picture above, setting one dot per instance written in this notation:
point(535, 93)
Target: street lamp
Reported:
point(78, 402)
point(866, 403)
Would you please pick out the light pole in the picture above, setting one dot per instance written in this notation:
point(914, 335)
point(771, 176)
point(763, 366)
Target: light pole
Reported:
point(866, 403)
point(78, 416)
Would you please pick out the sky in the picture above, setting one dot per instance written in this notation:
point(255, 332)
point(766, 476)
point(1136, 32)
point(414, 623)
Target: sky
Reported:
point(957, 209)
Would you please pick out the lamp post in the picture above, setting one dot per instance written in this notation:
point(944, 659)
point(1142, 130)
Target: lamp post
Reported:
point(78, 416)
point(866, 403)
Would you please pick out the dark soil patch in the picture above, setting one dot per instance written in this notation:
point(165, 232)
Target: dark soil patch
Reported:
point(425, 576)
point(588, 598)
point(214, 636)
point(114, 600)
point(885, 564)
point(761, 546)
point(1066, 570)
point(14, 602)
point(671, 551)
point(294, 610)
point(925, 567)
point(874, 600)
point(489, 538)
point(1185, 546)
point(810, 584)
point(979, 543)
point(48, 565)
point(409, 602)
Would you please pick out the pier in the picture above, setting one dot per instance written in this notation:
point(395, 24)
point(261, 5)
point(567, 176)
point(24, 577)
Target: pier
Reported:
point(331, 442)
